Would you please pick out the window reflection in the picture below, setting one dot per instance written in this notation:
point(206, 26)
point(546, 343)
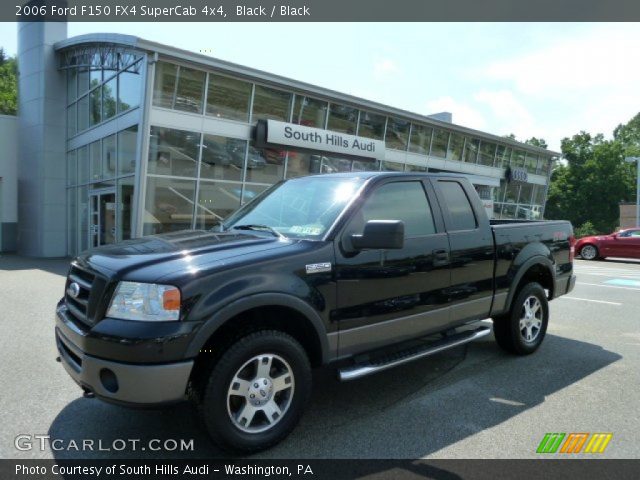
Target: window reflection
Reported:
point(265, 165)
point(109, 157)
point(420, 139)
point(228, 98)
point(487, 153)
point(309, 112)
point(173, 152)
point(190, 90)
point(129, 88)
point(127, 147)
point(165, 84)
point(440, 143)
point(471, 150)
point(269, 103)
point(397, 134)
point(168, 205)
point(456, 145)
point(342, 118)
point(216, 200)
point(109, 98)
point(371, 125)
point(223, 158)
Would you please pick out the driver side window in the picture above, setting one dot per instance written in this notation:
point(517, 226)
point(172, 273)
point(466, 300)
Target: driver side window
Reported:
point(406, 201)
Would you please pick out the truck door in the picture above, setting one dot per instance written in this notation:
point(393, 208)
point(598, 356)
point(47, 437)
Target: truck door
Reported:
point(472, 250)
point(385, 296)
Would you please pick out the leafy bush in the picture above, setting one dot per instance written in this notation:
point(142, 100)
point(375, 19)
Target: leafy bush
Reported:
point(585, 230)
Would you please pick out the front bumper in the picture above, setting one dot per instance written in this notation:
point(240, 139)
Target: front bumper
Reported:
point(120, 382)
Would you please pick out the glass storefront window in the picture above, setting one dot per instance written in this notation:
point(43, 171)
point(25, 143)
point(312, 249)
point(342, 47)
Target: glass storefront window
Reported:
point(392, 167)
point(342, 118)
point(72, 169)
point(409, 167)
point(95, 106)
point(228, 98)
point(309, 111)
point(531, 162)
point(109, 98)
point(95, 156)
point(487, 153)
point(509, 211)
point(190, 90)
point(497, 210)
point(109, 157)
point(72, 84)
point(83, 113)
point(366, 165)
point(538, 194)
point(129, 89)
point(169, 205)
point(223, 158)
point(125, 204)
point(83, 218)
point(95, 77)
point(252, 191)
point(164, 84)
point(83, 81)
point(83, 164)
point(503, 156)
point(397, 134)
point(72, 126)
point(299, 164)
point(471, 150)
point(72, 221)
point(440, 143)
point(420, 139)
point(269, 103)
point(127, 148)
point(517, 159)
point(456, 146)
point(265, 165)
point(513, 190)
point(173, 152)
point(371, 125)
point(216, 200)
point(526, 190)
point(545, 165)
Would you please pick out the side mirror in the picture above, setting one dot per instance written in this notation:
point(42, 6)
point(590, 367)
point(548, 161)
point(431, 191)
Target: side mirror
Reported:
point(380, 234)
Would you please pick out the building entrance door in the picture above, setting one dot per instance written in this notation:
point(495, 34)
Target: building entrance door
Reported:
point(102, 218)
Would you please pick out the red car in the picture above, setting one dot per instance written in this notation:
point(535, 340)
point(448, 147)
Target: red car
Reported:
point(624, 243)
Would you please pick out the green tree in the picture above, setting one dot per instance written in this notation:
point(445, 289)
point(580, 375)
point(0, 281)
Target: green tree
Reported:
point(594, 180)
point(8, 84)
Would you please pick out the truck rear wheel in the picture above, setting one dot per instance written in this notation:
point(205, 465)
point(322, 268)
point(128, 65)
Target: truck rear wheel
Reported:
point(256, 392)
point(522, 330)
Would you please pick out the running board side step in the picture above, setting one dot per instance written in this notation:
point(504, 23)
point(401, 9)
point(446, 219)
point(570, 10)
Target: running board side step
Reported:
point(404, 356)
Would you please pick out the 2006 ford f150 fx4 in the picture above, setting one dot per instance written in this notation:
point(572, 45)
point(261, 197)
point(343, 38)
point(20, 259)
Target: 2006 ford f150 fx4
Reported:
point(360, 271)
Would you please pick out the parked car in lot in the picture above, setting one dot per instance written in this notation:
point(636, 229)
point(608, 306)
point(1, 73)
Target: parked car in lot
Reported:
point(624, 243)
point(360, 272)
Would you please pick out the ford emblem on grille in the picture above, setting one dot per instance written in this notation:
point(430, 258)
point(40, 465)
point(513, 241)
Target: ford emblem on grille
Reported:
point(73, 290)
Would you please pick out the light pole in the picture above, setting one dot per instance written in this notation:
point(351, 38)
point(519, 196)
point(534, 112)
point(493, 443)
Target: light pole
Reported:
point(637, 160)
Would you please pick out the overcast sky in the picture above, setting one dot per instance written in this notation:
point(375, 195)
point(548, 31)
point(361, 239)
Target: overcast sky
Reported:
point(547, 80)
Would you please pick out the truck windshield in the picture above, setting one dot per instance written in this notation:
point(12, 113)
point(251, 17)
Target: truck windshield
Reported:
point(301, 208)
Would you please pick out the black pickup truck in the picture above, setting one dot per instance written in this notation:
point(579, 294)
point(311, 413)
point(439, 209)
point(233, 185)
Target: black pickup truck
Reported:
point(360, 271)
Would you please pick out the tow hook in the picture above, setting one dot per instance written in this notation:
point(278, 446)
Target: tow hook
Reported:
point(86, 393)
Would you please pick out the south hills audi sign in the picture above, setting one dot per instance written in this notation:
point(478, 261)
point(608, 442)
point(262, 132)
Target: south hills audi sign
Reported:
point(315, 139)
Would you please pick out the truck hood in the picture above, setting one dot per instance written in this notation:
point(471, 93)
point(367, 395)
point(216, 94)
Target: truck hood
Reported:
point(186, 249)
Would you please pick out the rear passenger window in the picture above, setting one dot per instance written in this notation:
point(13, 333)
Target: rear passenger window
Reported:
point(406, 201)
point(458, 205)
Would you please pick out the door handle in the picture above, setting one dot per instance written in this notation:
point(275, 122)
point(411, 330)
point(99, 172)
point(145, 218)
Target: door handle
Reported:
point(440, 257)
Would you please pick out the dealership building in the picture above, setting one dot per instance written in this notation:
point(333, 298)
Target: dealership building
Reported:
point(119, 137)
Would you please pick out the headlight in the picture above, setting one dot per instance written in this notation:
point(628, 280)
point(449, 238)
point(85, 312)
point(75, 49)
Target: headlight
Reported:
point(145, 301)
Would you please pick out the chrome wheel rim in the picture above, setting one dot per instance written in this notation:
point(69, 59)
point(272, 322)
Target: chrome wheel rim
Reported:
point(588, 252)
point(260, 393)
point(531, 319)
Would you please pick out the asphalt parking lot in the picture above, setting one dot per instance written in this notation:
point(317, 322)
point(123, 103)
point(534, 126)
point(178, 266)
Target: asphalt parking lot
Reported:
point(470, 402)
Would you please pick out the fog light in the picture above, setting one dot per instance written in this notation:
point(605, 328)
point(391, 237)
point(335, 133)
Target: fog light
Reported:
point(109, 380)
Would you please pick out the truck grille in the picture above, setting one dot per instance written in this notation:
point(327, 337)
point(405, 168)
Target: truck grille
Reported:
point(83, 305)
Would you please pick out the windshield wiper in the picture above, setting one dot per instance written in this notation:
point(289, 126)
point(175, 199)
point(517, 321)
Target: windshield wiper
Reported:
point(264, 228)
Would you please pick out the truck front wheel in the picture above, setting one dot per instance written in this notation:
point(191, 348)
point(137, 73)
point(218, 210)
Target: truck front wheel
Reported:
point(256, 392)
point(522, 330)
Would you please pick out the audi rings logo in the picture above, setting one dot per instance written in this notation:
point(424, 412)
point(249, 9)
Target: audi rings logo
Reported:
point(516, 175)
point(73, 290)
